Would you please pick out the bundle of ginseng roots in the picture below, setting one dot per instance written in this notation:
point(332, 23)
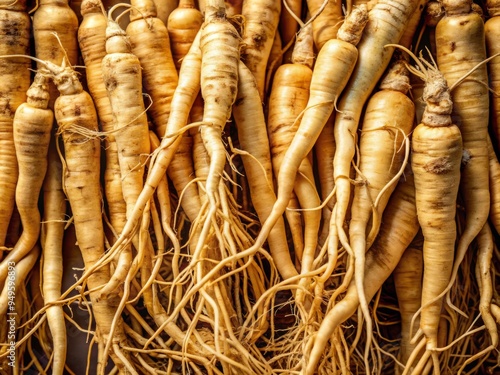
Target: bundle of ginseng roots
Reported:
point(249, 187)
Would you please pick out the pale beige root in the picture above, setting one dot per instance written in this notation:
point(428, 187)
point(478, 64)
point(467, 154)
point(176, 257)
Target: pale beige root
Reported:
point(92, 42)
point(75, 111)
point(381, 259)
point(436, 160)
point(13, 16)
point(492, 37)
point(55, 17)
point(384, 149)
point(149, 40)
point(121, 72)
point(261, 23)
point(253, 138)
point(408, 281)
point(486, 245)
point(32, 132)
point(327, 24)
point(379, 31)
point(459, 29)
point(53, 224)
point(288, 102)
point(184, 23)
point(324, 91)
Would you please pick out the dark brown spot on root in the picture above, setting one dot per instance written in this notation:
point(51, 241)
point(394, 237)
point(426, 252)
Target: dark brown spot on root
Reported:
point(439, 166)
point(259, 40)
point(5, 108)
point(453, 46)
point(111, 84)
point(437, 204)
